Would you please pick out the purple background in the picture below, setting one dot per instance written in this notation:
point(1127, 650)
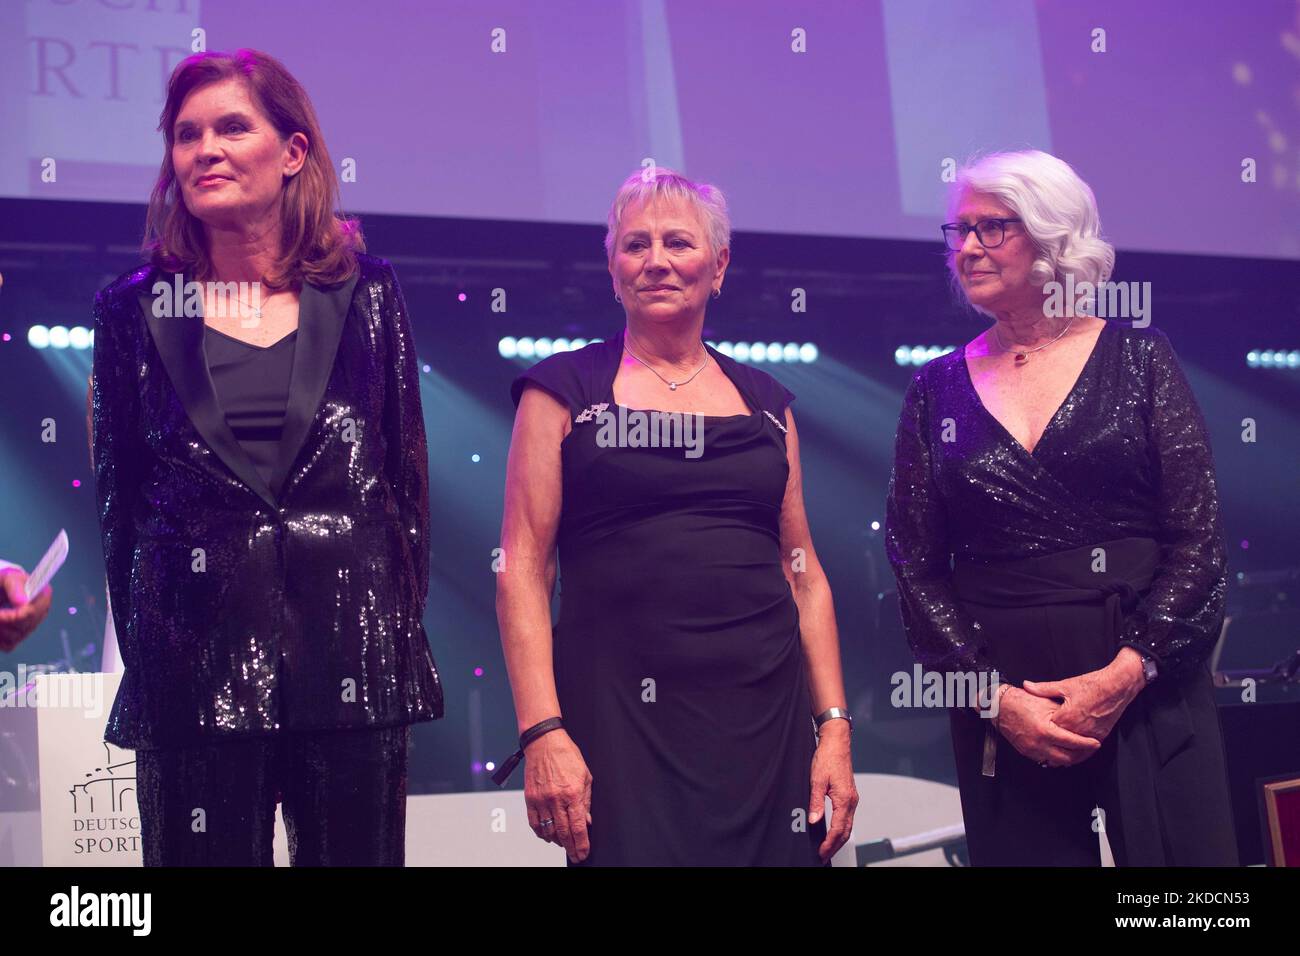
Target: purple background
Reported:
point(846, 139)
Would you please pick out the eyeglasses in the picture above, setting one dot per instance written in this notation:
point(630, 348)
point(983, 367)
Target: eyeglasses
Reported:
point(990, 233)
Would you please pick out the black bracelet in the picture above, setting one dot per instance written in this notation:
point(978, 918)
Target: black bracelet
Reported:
point(502, 773)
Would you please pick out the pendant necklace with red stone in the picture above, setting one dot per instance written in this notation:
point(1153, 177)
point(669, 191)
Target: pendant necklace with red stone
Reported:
point(1022, 355)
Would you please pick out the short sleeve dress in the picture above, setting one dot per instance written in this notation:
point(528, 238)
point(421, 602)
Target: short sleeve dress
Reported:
point(677, 655)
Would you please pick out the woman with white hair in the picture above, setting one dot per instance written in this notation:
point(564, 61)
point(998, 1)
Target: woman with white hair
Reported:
point(669, 720)
point(1053, 524)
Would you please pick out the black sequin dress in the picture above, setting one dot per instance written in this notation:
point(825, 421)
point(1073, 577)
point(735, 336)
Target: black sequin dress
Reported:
point(996, 553)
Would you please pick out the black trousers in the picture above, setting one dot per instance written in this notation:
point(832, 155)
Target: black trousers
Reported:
point(343, 796)
point(1159, 778)
point(1027, 815)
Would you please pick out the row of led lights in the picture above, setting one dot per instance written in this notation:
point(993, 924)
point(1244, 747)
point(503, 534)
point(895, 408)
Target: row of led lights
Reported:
point(1256, 358)
point(80, 337)
point(791, 352)
point(1271, 358)
point(920, 354)
point(60, 337)
point(530, 348)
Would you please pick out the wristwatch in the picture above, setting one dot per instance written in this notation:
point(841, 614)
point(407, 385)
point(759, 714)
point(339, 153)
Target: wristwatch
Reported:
point(1149, 669)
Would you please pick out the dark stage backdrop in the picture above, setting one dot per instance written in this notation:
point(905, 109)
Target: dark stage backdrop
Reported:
point(865, 298)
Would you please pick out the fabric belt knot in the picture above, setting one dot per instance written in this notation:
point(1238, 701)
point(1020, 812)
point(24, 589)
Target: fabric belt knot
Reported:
point(1128, 595)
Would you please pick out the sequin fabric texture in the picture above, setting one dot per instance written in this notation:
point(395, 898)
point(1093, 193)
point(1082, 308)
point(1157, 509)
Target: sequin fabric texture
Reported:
point(341, 793)
point(1127, 454)
point(245, 609)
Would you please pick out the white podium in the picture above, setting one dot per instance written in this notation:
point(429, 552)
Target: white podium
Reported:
point(66, 797)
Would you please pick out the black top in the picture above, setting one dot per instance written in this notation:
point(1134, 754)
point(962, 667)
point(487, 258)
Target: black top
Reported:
point(252, 385)
point(678, 661)
point(1125, 455)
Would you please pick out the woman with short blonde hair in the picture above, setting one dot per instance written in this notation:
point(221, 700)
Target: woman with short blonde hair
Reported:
point(688, 708)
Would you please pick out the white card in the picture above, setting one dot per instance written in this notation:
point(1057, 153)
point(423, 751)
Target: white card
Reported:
point(49, 564)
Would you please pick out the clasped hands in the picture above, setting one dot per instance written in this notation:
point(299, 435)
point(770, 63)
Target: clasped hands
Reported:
point(1063, 722)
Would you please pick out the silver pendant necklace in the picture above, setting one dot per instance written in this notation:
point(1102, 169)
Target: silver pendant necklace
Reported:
point(671, 385)
point(257, 312)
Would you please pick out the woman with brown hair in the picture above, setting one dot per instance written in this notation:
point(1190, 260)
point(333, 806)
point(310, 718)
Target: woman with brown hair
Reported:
point(262, 484)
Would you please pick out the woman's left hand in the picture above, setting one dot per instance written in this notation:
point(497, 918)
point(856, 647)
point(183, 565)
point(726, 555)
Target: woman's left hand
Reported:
point(1095, 701)
point(832, 773)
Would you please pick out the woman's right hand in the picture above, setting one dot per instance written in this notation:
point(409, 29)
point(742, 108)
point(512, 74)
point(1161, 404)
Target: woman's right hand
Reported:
point(1025, 721)
point(557, 787)
point(19, 616)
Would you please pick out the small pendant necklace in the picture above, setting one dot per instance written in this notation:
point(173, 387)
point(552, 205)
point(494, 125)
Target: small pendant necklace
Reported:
point(671, 385)
point(257, 312)
point(1022, 355)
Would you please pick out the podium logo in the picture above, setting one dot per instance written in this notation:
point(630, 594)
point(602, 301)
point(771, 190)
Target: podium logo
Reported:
point(104, 810)
point(102, 909)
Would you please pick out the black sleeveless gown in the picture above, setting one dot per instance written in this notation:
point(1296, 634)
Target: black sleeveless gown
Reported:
point(678, 661)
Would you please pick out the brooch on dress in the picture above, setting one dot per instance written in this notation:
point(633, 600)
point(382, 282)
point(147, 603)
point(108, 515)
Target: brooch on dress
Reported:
point(775, 421)
point(590, 412)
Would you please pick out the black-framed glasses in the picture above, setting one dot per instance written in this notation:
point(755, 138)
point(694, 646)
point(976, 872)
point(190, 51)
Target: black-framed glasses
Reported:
point(990, 233)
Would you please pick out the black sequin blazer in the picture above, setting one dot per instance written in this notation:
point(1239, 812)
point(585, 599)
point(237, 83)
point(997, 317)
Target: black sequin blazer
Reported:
point(247, 609)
